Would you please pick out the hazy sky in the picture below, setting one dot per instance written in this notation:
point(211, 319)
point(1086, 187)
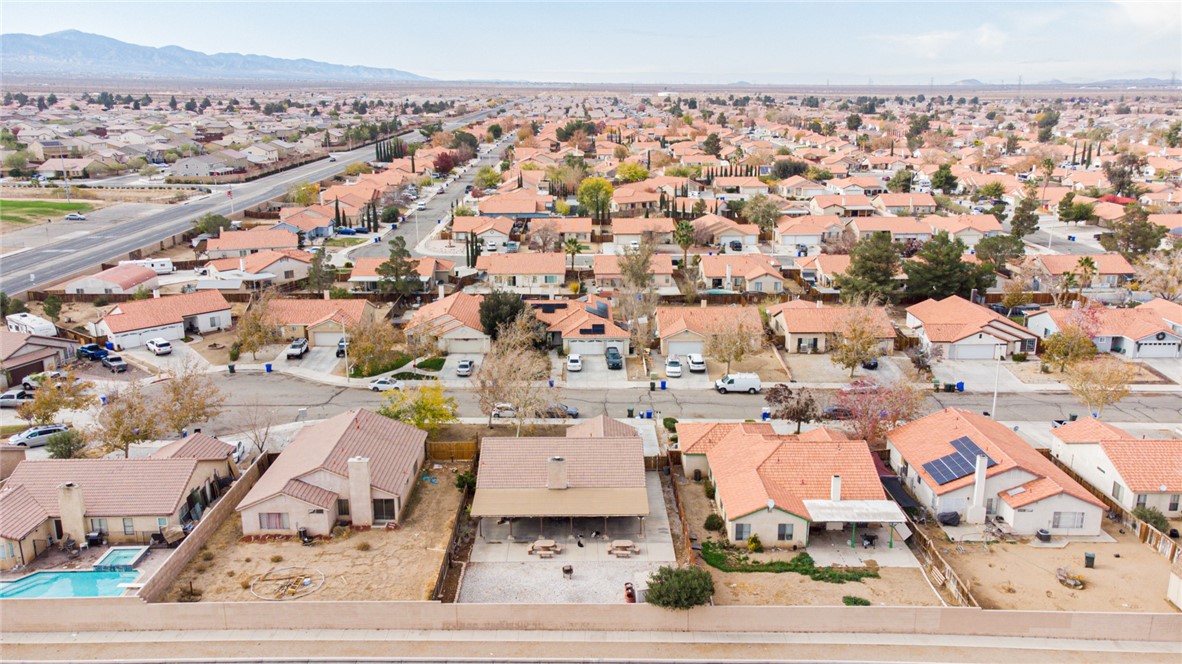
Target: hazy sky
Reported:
point(649, 42)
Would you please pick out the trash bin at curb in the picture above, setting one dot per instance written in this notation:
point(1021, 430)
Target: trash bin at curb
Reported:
point(231, 367)
point(662, 385)
point(631, 411)
point(267, 367)
point(1089, 560)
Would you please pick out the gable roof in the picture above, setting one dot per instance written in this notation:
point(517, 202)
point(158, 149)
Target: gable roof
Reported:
point(547, 263)
point(1057, 264)
point(252, 239)
point(393, 450)
point(929, 438)
point(110, 487)
point(282, 311)
point(198, 446)
point(442, 316)
point(1147, 466)
point(701, 437)
point(159, 311)
point(1088, 430)
point(125, 277)
point(706, 321)
point(601, 426)
point(955, 318)
point(20, 513)
point(819, 318)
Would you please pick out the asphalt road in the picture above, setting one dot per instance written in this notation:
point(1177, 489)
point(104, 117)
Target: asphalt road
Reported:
point(285, 395)
point(57, 260)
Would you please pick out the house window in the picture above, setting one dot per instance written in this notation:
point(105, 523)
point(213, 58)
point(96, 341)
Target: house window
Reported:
point(128, 526)
point(742, 531)
point(98, 526)
point(108, 291)
point(1142, 498)
point(551, 279)
point(161, 521)
point(273, 521)
point(383, 509)
point(990, 506)
point(1117, 491)
point(1067, 520)
point(1174, 502)
point(289, 274)
point(784, 532)
point(343, 506)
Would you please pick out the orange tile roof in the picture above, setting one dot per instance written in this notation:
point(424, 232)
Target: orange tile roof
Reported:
point(159, 311)
point(747, 266)
point(812, 318)
point(607, 266)
point(309, 312)
point(198, 446)
point(259, 261)
point(705, 321)
point(425, 266)
point(548, 263)
point(20, 513)
point(929, 438)
point(639, 225)
point(955, 318)
point(701, 437)
point(1105, 263)
point(1147, 466)
point(1088, 430)
point(455, 310)
point(256, 239)
point(125, 276)
point(110, 487)
point(1136, 323)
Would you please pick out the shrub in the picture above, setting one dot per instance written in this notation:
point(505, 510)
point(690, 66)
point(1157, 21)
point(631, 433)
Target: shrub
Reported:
point(466, 481)
point(680, 588)
point(235, 351)
point(101, 302)
point(673, 438)
point(715, 523)
point(276, 559)
point(364, 546)
point(1153, 517)
point(850, 600)
point(245, 583)
point(709, 486)
point(753, 544)
point(207, 556)
point(670, 423)
point(1018, 357)
point(718, 556)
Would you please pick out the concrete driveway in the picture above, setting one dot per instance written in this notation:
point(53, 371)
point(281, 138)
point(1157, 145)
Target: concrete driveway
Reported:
point(322, 360)
point(447, 375)
point(687, 381)
point(980, 375)
point(595, 374)
point(174, 361)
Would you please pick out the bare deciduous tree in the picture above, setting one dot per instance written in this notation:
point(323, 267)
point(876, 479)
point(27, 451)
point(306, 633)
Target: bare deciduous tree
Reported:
point(543, 235)
point(514, 372)
point(1100, 382)
point(128, 417)
point(732, 344)
point(1160, 273)
point(855, 341)
point(189, 398)
point(255, 327)
point(638, 299)
point(256, 423)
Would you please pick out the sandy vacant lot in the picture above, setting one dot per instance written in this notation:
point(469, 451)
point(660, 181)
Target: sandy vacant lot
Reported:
point(895, 587)
point(1020, 576)
point(400, 564)
point(1029, 372)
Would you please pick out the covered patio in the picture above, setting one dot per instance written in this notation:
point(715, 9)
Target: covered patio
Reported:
point(835, 514)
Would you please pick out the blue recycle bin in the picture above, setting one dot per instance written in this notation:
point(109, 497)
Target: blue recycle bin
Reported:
point(662, 385)
point(960, 387)
point(648, 414)
point(110, 345)
point(267, 367)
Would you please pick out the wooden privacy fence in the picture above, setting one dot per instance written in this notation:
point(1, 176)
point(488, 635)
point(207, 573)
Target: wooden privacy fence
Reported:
point(690, 556)
point(463, 450)
point(938, 571)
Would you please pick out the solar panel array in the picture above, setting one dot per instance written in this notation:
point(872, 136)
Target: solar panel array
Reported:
point(958, 464)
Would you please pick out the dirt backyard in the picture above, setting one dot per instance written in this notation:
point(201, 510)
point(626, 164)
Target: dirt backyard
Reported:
point(377, 564)
point(1129, 576)
point(1029, 372)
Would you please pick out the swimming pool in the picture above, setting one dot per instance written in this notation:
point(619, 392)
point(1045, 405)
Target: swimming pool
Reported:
point(121, 559)
point(91, 583)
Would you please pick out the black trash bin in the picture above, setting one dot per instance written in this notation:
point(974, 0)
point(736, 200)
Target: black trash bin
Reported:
point(1089, 560)
point(631, 411)
point(231, 368)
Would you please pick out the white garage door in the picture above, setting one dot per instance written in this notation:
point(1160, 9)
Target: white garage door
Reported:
point(322, 339)
point(1158, 349)
point(587, 346)
point(684, 347)
point(972, 352)
point(465, 346)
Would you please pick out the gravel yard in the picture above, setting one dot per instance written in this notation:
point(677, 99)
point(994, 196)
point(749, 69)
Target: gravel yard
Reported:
point(542, 582)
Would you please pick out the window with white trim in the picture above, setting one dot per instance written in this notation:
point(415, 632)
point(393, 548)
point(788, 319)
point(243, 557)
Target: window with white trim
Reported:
point(128, 526)
point(273, 520)
point(1174, 502)
point(1117, 491)
point(1067, 520)
point(98, 526)
point(742, 531)
point(1142, 499)
point(784, 532)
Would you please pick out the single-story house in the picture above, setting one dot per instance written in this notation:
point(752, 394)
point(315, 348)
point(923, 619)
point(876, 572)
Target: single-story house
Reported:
point(967, 331)
point(900, 229)
point(131, 324)
point(685, 330)
point(357, 466)
point(565, 228)
point(606, 268)
point(740, 187)
point(908, 203)
point(807, 327)
point(582, 326)
point(23, 354)
point(741, 273)
point(118, 280)
point(800, 187)
point(957, 461)
point(723, 231)
point(318, 321)
point(529, 273)
point(484, 229)
point(1134, 333)
point(695, 439)
point(807, 231)
point(59, 498)
point(314, 222)
point(232, 244)
point(1112, 270)
point(431, 273)
point(822, 270)
point(968, 228)
point(1132, 472)
point(843, 206)
point(628, 230)
point(455, 321)
point(262, 269)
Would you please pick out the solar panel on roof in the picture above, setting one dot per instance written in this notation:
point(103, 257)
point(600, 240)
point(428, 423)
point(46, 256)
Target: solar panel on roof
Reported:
point(958, 464)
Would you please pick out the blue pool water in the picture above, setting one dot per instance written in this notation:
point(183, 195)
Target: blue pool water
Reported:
point(68, 584)
point(120, 559)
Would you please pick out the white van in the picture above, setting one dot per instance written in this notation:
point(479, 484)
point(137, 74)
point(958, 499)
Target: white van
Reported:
point(738, 382)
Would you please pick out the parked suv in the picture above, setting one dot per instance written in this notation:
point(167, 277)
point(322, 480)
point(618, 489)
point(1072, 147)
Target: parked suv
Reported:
point(297, 349)
point(614, 359)
point(159, 346)
point(92, 352)
point(697, 364)
point(115, 363)
point(342, 345)
point(37, 436)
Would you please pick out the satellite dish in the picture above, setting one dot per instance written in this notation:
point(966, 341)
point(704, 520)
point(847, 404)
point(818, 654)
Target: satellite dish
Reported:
point(1162, 488)
point(772, 503)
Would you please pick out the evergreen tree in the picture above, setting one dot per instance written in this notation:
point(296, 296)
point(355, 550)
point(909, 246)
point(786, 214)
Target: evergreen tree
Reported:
point(1025, 219)
point(874, 263)
point(941, 271)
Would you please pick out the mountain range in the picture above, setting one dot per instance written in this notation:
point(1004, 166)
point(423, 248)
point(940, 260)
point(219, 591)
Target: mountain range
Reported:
point(72, 53)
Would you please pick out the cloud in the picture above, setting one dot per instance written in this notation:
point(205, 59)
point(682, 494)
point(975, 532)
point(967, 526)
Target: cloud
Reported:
point(1149, 16)
point(990, 38)
point(929, 45)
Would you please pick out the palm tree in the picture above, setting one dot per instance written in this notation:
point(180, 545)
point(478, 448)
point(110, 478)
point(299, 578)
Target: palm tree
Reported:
point(1048, 168)
point(572, 247)
point(1087, 270)
point(683, 235)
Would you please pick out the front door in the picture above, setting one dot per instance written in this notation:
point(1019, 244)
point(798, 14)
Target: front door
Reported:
point(57, 529)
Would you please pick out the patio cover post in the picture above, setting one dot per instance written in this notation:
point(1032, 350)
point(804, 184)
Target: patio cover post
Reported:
point(853, 534)
point(891, 535)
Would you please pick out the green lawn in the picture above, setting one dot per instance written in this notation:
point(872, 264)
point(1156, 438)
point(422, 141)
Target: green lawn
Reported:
point(345, 242)
point(25, 212)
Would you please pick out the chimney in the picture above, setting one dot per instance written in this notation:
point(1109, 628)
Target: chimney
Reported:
point(728, 274)
point(155, 292)
point(556, 473)
point(242, 264)
point(360, 498)
point(73, 511)
point(835, 488)
point(976, 511)
point(703, 304)
point(441, 291)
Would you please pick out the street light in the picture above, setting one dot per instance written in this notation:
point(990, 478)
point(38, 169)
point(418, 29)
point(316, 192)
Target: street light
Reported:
point(345, 338)
point(996, 381)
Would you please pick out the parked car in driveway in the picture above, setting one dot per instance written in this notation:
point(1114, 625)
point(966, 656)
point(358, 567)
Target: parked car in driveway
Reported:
point(342, 347)
point(697, 363)
point(672, 367)
point(33, 381)
point(613, 357)
point(92, 352)
point(465, 367)
point(383, 384)
point(297, 349)
point(574, 363)
point(15, 397)
point(115, 363)
point(37, 436)
point(159, 346)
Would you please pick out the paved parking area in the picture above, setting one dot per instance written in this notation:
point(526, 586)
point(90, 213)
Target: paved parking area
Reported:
point(322, 360)
point(174, 361)
point(447, 375)
point(687, 381)
point(980, 376)
point(595, 374)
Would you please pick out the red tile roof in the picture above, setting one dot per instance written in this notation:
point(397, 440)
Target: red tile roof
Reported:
point(156, 312)
point(110, 487)
point(125, 276)
point(1147, 466)
point(198, 446)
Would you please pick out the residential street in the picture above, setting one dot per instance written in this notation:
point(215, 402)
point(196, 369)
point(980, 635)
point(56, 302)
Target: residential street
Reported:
point(52, 262)
point(286, 395)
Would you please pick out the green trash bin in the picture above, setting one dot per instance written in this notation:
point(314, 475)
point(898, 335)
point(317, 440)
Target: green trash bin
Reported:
point(231, 368)
point(1089, 560)
point(630, 413)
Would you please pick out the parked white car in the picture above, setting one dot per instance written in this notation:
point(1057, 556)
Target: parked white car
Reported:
point(697, 363)
point(574, 363)
point(159, 346)
point(383, 384)
point(504, 410)
point(672, 367)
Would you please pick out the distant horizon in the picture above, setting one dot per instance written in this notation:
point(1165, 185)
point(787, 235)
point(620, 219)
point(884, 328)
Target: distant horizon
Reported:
point(723, 43)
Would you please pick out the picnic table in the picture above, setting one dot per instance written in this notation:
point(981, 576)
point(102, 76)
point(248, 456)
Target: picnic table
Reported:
point(622, 548)
point(545, 548)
